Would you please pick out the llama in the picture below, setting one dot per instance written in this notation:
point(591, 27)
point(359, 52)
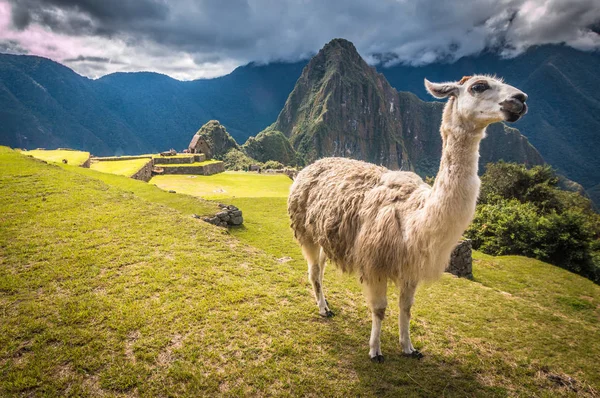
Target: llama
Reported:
point(390, 225)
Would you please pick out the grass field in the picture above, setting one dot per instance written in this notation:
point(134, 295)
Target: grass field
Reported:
point(75, 158)
point(109, 289)
point(121, 167)
point(227, 185)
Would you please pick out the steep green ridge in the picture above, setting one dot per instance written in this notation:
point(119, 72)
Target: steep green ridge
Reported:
point(343, 107)
point(217, 137)
point(271, 145)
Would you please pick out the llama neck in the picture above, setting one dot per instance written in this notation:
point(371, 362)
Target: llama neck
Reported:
point(451, 204)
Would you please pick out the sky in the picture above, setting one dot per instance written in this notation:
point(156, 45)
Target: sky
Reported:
point(189, 39)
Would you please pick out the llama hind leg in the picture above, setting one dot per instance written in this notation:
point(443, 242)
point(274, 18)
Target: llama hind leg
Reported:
point(376, 295)
point(406, 300)
point(316, 265)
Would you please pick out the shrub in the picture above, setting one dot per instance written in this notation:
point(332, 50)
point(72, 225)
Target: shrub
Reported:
point(523, 212)
point(237, 160)
point(273, 164)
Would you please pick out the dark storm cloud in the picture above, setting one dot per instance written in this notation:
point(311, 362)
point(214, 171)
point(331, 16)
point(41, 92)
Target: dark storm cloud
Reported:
point(83, 58)
point(388, 31)
point(12, 47)
point(110, 15)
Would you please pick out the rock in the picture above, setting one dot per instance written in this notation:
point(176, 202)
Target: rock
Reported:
point(223, 215)
point(461, 260)
point(237, 220)
point(229, 215)
point(171, 191)
point(195, 216)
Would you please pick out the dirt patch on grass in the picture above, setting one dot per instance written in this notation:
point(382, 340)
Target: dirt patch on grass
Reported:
point(565, 384)
point(132, 337)
point(166, 356)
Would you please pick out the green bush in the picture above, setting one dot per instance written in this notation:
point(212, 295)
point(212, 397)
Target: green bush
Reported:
point(273, 164)
point(237, 160)
point(523, 212)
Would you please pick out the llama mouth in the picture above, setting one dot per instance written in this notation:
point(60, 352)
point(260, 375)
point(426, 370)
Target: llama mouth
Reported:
point(511, 116)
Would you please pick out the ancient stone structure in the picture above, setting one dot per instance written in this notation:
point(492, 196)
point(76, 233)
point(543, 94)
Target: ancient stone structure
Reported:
point(145, 173)
point(199, 157)
point(170, 152)
point(461, 260)
point(228, 216)
point(199, 145)
point(206, 170)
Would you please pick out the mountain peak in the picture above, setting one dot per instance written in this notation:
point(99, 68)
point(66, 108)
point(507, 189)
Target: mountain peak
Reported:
point(339, 44)
point(338, 50)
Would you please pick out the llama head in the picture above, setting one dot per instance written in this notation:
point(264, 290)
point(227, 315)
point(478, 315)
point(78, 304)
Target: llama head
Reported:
point(481, 99)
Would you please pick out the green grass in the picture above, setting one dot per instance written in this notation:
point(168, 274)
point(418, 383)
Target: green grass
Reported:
point(75, 158)
point(195, 164)
point(226, 185)
point(120, 167)
point(105, 291)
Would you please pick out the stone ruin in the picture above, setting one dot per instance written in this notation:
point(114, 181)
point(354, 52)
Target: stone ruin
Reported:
point(228, 216)
point(461, 260)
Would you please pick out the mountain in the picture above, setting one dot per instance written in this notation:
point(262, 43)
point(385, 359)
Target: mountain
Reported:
point(271, 145)
point(44, 104)
point(168, 111)
point(341, 106)
point(218, 139)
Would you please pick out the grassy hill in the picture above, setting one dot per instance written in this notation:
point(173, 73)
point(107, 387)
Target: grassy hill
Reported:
point(121, 167)
point(108, 287)
point(75, 158)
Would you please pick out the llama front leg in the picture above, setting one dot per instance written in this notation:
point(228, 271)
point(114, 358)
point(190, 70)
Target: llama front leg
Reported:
point(376, 295)
point(316, 266)
point(407, 298)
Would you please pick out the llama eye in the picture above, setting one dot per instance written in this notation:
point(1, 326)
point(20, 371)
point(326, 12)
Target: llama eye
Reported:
point(479, 87)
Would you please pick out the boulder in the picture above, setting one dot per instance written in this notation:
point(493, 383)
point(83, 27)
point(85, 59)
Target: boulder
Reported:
point(461, 260)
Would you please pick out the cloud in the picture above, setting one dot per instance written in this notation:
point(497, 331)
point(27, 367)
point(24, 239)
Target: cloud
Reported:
point(203, 38)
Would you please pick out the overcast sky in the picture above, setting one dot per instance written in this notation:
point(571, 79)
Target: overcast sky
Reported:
point(189, 39)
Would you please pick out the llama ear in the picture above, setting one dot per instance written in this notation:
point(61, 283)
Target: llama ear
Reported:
point(441, 90)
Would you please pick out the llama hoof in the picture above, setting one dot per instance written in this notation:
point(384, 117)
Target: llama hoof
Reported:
point(327, 314)
point(415, 354)
point(378, 359)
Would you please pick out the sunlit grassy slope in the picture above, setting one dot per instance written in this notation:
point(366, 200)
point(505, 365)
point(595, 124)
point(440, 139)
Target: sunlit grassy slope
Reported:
point(121, 167)
point(109, 289)
point(227, 185)
point(75, 158)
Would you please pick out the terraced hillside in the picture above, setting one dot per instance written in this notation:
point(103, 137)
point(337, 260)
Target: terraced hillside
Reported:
point(108, 287)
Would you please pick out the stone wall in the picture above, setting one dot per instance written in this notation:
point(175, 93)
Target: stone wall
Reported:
point(86, 164)
point(113, 158)
point(145, 173)
point(461, 260)
point(174, 160)
point(199, 157)
point(205, 170)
